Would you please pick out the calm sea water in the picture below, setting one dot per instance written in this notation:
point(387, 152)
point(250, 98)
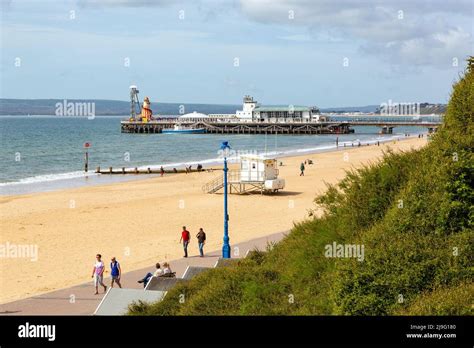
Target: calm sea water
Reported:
point(39, 153)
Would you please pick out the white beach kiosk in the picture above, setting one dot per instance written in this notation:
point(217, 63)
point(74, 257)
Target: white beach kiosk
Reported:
point(255, 173)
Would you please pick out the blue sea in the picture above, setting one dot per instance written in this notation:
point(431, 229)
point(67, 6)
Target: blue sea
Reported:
point(42, 153)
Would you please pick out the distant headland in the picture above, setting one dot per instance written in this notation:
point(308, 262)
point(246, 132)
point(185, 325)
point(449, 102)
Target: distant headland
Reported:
point(105, 107)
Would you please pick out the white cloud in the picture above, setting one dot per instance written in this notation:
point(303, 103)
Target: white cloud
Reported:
point(438, 49)
point(402, 32)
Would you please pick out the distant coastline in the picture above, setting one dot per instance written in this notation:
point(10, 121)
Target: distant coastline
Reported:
point(104, 107)
point(21, 107)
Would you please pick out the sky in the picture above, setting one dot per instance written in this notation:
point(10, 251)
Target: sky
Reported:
point(326, 53)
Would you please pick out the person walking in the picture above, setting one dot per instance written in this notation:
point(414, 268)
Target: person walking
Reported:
point(115, 272)
point(302, 169)
point(98, 274)
point(185, 237)
point(201, 237)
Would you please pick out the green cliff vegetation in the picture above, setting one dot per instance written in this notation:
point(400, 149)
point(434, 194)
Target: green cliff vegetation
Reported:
point(413, 213)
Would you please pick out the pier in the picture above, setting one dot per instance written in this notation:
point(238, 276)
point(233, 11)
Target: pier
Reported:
point(259, 119)
point(240, 127)
point(291, 128)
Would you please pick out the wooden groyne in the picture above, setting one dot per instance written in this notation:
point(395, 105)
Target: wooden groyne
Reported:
point(136, 170)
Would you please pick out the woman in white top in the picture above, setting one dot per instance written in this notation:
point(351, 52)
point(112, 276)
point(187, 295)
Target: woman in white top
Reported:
point(166, 268)
point(98, 274)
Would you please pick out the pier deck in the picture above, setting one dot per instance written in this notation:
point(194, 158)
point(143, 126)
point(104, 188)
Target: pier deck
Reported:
point(241, 127)
point(292, 128)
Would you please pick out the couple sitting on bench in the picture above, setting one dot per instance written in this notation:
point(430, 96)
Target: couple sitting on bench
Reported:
point(164, 272)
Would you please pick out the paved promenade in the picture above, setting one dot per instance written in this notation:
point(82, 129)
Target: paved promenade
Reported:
point(80, 299)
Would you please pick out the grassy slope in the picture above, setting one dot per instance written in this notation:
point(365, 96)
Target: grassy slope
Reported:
point(413, 212)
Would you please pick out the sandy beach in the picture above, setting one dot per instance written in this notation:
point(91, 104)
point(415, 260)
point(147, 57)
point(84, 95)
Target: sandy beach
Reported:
point(139, 222)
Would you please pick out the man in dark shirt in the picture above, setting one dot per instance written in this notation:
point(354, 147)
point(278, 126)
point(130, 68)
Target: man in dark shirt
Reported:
point(185, 236)
point(201, 237)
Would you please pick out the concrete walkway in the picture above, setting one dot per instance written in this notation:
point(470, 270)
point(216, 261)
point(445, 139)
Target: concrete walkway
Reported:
point(80, 299)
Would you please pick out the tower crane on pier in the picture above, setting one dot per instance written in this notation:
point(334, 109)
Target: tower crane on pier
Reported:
point(146, 113)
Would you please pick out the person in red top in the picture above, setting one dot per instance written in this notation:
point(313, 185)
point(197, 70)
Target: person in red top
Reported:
point(185, 237)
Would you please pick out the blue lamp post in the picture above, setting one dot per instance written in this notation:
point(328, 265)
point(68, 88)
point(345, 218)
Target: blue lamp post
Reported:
point(226, 247)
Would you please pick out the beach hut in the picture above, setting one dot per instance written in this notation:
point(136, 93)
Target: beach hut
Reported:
point(257, 168)
point(255, 173)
